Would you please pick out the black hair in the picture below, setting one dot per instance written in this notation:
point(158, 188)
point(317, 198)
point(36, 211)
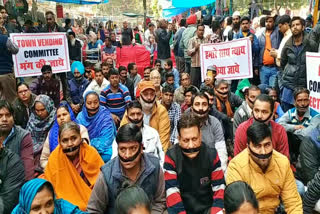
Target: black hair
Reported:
point(191, 89)
point(262, 21)
point(199, 94)
point(150, 24)
point(183, 22)
point(215, 25)
point(64, 104)
point(245, 18)
point(200, 25)
point(108, 38)
point(188, 120)
point(265, 98)
point(257, 132)
point(146, 68)
point(270, 17)
point(49, 12)
point(302, 21)
point(98, 71)
point(69, 125)
point(254, 88)
point(128, 133)
point(229, 20)
point(86, 64)
point(169, 74)
point(2, 7)
point(168, 88)
point(7, 105)
point(129, 197)
point(157, 61)
point(22, 83)
point(130, 66)
point(28, 22)
point(207, 89)
point(122, 68)
point(72, 33)
point(46, 68)
point(300, 90)
point(67, 21)
point(134, 104)
point(284, 19)
point(113, 71)
point(47, 185)
point(169, 63)
point(237, 193)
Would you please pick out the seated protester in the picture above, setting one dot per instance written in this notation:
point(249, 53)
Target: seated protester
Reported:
point(155, 114)
point(23, 104)
point(12, 178)
point(239, 197)
point(93, 47)
point(313, 124)
point(262, 111)
point(188, 93)
point(242, 88)
point(193, 175)
point(126, 81)
point(169, 80)
point(88, 70)
point(38, 196)
point(296, 119)
point(110, 62)
point(278, 112)
point(105, 70)
point(47, 84)
point(174, 111)
point(131, 165)
point(267, 171)
point(179, 92)
point(64, 115)
point(210, 77)
point(77, 86)
point(225, 105)
point(168, 68)
point(98, 83)
point(150, 137)
point(309, 159)
point(73, 167)
point(156, 79)
point(244, 112)
point(132, 199)
point(98, 121)
point(210, 93)
point(115, 97)
point(211, 128)
point(311, 199)
point(40, 122)
point(146, 74)
point(108, 49)
point(133, 74)
point(16, 139)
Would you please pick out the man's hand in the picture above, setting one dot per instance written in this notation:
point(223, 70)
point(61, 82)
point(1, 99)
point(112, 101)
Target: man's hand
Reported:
point(3, 30)
point(256, 72)
point(75, 108)
point(273, 53)
point(251, 38)
point(115, 118)
point(297, 127)
point(197, 46)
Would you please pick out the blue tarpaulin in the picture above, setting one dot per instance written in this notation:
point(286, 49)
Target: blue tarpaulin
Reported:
point(81, 1)
point(191, 3)
point(172, 11)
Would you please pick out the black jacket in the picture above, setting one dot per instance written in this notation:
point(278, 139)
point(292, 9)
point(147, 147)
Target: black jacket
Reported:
point(75, 51)
point(21, 116)
point(312, 196)
point(163, 38)
point(12, 179)
point(57, 28)
point(315, 34)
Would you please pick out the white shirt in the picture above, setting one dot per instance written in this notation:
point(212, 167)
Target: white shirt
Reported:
point(94, 86)
point(207, 31)
point(285, 38)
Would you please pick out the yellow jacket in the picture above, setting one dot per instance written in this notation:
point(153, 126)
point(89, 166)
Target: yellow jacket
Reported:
point(277, 181)
point(159, 120)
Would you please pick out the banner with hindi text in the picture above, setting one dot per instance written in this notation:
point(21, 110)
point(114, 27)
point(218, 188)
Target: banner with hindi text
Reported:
point(313, 79)
point(38, 49)
point(232, 60)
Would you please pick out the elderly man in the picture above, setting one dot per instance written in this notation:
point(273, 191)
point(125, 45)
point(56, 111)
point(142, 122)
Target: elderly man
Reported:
point(179, 92)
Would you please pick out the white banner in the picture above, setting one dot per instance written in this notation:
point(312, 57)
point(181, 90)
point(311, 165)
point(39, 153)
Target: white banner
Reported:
point(313, 79)
point(233, 59)
point(38, 49)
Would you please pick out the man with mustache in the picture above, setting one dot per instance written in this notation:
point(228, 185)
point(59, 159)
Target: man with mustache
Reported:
point(47, 84)
point(267, 171)
point(193, 175)
point(262, 112)
point(155, 114)
point(297, 118)
point(134, 165)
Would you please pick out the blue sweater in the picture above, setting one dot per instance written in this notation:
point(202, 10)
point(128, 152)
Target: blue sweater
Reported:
point(5, 56)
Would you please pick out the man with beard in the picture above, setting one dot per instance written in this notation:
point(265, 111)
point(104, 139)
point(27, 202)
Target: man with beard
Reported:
point(262, 112)
point(98, 83)
point(16, 139)
point(235, 26)
point(47, 84)
point(132, 165)
point(293, 62)
point(211, 129)
point(105, 69)
point(244, 112)
point(269, 41)
point(125, 80)
point(150, 137)
point(74, 47)
point(155, 114)
point(115, 97)
point(297, 118)
point(188, 94)
point(76, 86)
point(193, 175)
point(267, 171)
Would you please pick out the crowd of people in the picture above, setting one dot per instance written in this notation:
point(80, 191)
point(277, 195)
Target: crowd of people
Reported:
point(107, 139)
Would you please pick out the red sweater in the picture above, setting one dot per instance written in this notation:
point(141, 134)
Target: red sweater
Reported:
point(279, 137)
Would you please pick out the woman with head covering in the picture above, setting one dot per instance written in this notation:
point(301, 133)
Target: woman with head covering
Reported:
point(64, 115)
point(40, 122)
point(77, 85)
point(97, 119)
point(37, 196)
point(73, 166)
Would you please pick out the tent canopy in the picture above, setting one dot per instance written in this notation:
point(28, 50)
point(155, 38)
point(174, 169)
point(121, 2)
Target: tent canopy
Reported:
point(81, 1)
point(172, 11)
point(134, 15)
point(191, 3)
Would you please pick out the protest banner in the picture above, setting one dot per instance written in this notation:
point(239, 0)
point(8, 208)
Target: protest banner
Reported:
point(313, 79)
point(232, 60)
point(38, 49)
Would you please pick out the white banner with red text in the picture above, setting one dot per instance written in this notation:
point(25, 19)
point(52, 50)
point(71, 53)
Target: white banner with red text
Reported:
point(232, 60)
point(313, 79)
point(38, 49)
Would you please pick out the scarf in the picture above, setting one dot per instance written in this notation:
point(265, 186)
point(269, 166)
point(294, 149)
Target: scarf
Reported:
point(54, 131)
point(228, 107)
point(38, 127)
point(101, 128)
